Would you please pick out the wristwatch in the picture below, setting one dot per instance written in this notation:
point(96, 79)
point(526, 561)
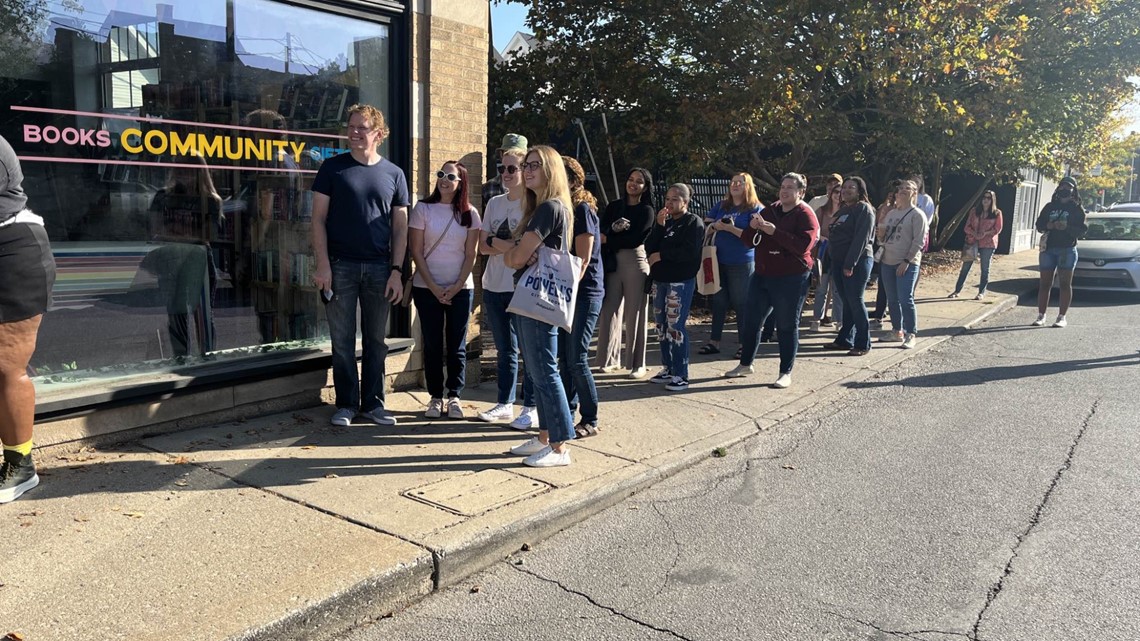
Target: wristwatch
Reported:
point(398, 268)
point(490, 241)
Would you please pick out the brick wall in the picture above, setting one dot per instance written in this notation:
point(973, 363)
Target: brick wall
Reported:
point(449, 72)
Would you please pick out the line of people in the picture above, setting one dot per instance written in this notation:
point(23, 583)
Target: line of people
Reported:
point(631, 254)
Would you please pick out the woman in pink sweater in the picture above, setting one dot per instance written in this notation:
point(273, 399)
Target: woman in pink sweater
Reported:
point(983, 228)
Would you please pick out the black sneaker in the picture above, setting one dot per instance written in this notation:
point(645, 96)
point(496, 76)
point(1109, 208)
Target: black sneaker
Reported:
point(17, 475)
point(678, 384)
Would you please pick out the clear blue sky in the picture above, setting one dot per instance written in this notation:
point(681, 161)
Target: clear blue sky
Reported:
point(506, 19)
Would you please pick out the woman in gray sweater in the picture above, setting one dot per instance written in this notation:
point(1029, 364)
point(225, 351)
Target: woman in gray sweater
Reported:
point(901, 234)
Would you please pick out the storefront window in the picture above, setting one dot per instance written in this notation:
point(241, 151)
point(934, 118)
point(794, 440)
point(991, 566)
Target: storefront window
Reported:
point(170, 148)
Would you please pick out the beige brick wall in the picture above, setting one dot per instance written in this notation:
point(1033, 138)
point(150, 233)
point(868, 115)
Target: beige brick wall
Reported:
point(451, 48)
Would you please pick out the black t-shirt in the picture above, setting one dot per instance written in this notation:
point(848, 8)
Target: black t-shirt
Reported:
point(549, 222)
point(586, 222)
point(12, 197)
point(361, 198)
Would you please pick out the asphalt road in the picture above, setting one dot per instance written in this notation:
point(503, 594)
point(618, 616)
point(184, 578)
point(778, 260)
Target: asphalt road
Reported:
point(987, 489)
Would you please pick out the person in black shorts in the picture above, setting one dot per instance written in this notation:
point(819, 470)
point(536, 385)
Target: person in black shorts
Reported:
point(27, 273)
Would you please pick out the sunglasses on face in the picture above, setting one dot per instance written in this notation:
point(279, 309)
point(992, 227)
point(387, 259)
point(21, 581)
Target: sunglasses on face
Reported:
point(508, 169)
point(450, 177)
point(533, 165)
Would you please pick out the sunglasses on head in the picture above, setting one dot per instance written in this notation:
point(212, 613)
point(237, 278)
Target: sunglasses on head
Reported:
point(508, 169)
point(451, 177)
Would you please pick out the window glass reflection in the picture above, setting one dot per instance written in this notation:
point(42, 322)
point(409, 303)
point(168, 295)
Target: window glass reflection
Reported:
point(170, 147)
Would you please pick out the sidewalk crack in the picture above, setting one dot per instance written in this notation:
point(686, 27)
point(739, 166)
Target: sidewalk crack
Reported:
point(600, 606)
point(996, 589)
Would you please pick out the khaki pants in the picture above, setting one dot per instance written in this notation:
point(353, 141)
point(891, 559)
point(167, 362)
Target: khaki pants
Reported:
point(625, 295)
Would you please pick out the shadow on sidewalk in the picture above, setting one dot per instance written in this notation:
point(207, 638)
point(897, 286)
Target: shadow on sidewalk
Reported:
point(984, 375)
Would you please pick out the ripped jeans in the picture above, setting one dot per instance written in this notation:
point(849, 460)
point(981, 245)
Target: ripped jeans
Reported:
point(671, 303)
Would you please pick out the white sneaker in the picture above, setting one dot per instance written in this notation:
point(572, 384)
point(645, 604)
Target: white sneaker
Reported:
point(454, 409)
point(909, 341)
point(527, 419)
point(739, 371)
point(533, 446)
point(1060, 322)
point(893, 337)
point(343, 417)
point(783, 381)
point(548, 458)
point(435, 408)
point(500, 412)
point(661, 378)
point(608, 369)
point(640, 372)
point(815, 326)
point(1040, 322)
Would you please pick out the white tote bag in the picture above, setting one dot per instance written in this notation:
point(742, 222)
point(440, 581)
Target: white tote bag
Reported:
point(548, 289)
point(708, 278)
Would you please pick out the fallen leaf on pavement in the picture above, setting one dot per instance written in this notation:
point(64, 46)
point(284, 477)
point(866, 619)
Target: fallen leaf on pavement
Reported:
point(181, 483)
point(80, 519)
point(32, 513)
point(309, 447)
point(332, 476)
point(133, 515)
point(14, 636)
point(789, 467)
point(475, 589)
point(179, 460)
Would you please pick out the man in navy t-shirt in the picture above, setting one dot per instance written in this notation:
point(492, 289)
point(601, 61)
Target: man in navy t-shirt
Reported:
point(360, 231)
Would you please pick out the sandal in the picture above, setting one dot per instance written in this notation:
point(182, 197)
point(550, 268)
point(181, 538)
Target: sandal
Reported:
point(709, 348)
point(585, 430)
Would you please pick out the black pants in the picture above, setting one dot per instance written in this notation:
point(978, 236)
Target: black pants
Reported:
point(444, 327)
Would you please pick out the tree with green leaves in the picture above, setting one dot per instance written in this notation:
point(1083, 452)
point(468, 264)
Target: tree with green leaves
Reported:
point(936, 87)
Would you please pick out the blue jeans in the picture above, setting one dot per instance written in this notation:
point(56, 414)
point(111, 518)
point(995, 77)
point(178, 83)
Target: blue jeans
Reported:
point(506, 342)
point(574, 360)
point(900, 297)
point(733, 291)
point(527, 385)
point(362, 283)
point(985, 255)
point(856, 329)
point(539, 343)
point(444, 326)
point(782, 297)
point(671, 302)
point(827, 286)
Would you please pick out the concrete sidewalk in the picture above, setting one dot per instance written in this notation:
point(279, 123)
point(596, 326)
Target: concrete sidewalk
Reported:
point(284, 527)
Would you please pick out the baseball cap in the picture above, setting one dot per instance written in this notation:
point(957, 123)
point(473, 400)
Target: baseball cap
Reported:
point(514, 141)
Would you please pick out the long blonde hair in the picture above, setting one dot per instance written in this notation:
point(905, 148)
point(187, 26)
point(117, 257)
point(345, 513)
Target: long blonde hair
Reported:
point(557, 188)
point(750, 198)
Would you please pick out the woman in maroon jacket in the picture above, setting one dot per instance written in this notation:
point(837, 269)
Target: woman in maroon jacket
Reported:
point(783, 234)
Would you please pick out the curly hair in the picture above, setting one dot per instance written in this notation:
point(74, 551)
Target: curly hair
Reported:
point(577, 177)
point(372, 115)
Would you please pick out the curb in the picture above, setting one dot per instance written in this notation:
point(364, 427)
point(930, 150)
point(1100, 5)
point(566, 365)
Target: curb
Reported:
point(388, 592)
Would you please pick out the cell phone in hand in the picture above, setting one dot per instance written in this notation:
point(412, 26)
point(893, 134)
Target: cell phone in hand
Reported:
point(326, 296)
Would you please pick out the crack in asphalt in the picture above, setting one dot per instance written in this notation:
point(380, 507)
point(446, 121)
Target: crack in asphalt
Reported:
point(902, 634)
point(601, 606)
point(1034, 520)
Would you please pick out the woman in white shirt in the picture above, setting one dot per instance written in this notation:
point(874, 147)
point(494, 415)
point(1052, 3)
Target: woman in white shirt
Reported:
point(443, 235)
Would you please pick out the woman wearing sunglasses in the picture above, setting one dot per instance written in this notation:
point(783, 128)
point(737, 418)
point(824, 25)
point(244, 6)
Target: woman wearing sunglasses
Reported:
point(547, 220)
point(443, 236)
point(501, 218)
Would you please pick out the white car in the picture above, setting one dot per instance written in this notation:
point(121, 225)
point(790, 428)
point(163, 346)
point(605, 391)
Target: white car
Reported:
point(1109, 252)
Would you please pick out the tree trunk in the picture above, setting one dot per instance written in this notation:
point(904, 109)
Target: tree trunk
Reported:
point(946, 232)
point(935, 193)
